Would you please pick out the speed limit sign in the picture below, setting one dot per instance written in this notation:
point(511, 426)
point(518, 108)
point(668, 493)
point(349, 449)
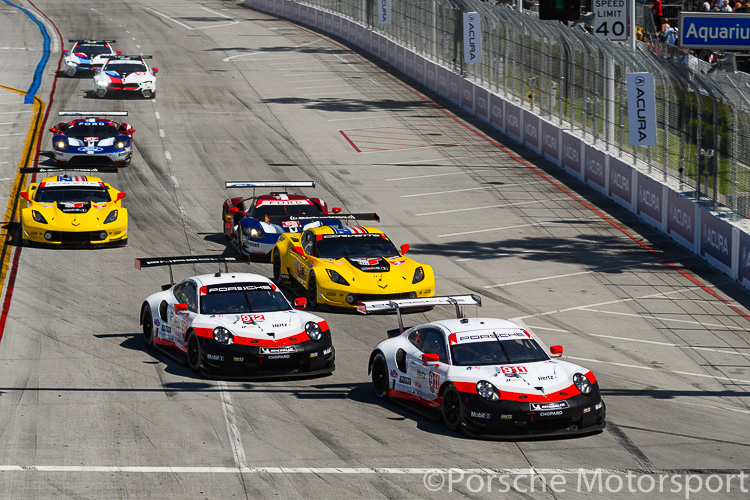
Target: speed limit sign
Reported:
point(610, 19)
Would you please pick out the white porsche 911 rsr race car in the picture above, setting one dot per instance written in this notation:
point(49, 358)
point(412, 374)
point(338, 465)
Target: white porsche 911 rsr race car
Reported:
point(87, 55)
point(488, 377)
point(126, 75)
point(234, 324)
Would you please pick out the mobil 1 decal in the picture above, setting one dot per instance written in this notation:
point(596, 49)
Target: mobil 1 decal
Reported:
point(550, 142)
point(513, 120)
point(594, 172)
point(649, 201)
point(620, 181)
point(716, 239)
point(571, 152)
point(744, 269)
point(680, 217)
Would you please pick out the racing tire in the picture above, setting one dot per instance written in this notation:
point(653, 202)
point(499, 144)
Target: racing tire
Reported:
point(148, 326)
point(380, 377)
point(312, 291)
point(194, 353)
point(452, 409)
point(276, 263)
point(70, 72)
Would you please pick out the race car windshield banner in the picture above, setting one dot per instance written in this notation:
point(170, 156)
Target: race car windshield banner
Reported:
point(236, 287)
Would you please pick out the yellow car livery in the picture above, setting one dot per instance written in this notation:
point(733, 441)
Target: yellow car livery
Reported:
point(67, 209)
point(342, 265)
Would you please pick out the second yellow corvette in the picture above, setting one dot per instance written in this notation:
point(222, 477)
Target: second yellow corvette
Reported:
point(342, 265)
point(67, 209)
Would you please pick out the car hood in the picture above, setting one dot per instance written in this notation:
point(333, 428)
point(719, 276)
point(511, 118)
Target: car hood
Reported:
point(260, 326)
point(74, 214)
point(375, 272)
point(136, 77)
point(537, 378)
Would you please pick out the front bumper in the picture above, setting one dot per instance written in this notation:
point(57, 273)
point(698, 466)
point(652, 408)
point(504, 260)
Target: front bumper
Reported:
point(125, 88)
point(514, 420)
point(71, 157)
point(243, 361)
point(335, 295)
point(34, 232)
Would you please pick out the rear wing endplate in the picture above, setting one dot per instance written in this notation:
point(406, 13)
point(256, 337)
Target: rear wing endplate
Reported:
point(108, 169)
point(144, 262)
point(93, 114)
point(399, 304)
point(268, 184)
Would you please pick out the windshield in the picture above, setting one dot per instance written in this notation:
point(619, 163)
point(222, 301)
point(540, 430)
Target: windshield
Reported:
point(336, 246)
point(91, 129)
point(125, 69)
point(260, 212)
point(503, 352)
point(239, 298)
point(93, 50)
point(72, 193)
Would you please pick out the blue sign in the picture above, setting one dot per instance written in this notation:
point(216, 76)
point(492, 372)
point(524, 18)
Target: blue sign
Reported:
point(714, 30)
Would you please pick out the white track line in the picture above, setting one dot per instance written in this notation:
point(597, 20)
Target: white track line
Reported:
point(234, 434)
point(168, 155)
point(488, 206)
point(365, 117)
point(520, 252)
point(642, 341)
point(161, 133)
point(490, 230)
point(227, 59)
point(669, 319)
point(448, 192)
point(430, 175)
point(14, 112)
point(157, 115)
point(593, 271)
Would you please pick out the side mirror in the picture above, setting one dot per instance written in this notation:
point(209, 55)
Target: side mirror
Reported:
point(235, 210)
point(429, 359)
point(298, 251)
point(336, 210)
point(53, 130)
point(25, 196)
point(118, 52)
point(120, 196)
point(180, 308)
point(155, 70)
point(556, 351)
point(300, 303)
point(404, 248)
point(131, 130)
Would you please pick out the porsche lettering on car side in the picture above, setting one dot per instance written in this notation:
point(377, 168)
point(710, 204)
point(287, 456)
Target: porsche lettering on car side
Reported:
point(87, 55)
point(126, 75)
point(488, 377)
point(234, 324)
point(244, 218)
point(92, 140)
point(73, 210)
point(342, 265)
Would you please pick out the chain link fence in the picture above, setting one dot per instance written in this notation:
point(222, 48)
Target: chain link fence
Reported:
point(578, 81)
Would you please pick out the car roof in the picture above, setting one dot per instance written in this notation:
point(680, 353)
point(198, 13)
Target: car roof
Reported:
point(213, 279)
point(71, 180)
point(345, 230)
point(282, 197)
point(465, 325)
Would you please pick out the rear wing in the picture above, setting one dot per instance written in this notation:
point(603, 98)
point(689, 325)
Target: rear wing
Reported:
point(130, 57)
point(92, 41)
point(93, 114)
point(284, 218)
point(398, 305)
point(108, 169)
point(268, 184)
point(144, 262)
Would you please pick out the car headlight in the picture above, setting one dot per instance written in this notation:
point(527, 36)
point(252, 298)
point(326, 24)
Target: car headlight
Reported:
point(583, 383)
point(121, 144)
point(487, 391)
point(336, 277)
point(313, 331)
point(253, 232)
point(38, 217)
point(223, 336)
point(102, 83)
point(71, 63)
point(61, 145)
point(111, 217)
point(418, 275)
point(149, 82)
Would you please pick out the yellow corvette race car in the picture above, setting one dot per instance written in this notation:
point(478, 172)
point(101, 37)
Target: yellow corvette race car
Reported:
point(342, 265)
point(75, 210)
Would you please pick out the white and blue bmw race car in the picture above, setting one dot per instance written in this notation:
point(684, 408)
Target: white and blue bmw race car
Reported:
point(126, 75)
point(92, 140)
point(488, 377)
point(87, 55)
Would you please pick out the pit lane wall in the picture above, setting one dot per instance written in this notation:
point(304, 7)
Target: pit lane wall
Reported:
point(721, 243)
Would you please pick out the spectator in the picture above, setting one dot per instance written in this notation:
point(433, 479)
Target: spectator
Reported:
point(706, 7)
point(746, 7)
point(659, 14)
point(717, 5)
point(737, 6)
point(668, 34)
point(727, 7)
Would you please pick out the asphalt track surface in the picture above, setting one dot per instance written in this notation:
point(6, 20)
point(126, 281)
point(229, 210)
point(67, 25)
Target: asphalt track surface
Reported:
point(87, 412)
